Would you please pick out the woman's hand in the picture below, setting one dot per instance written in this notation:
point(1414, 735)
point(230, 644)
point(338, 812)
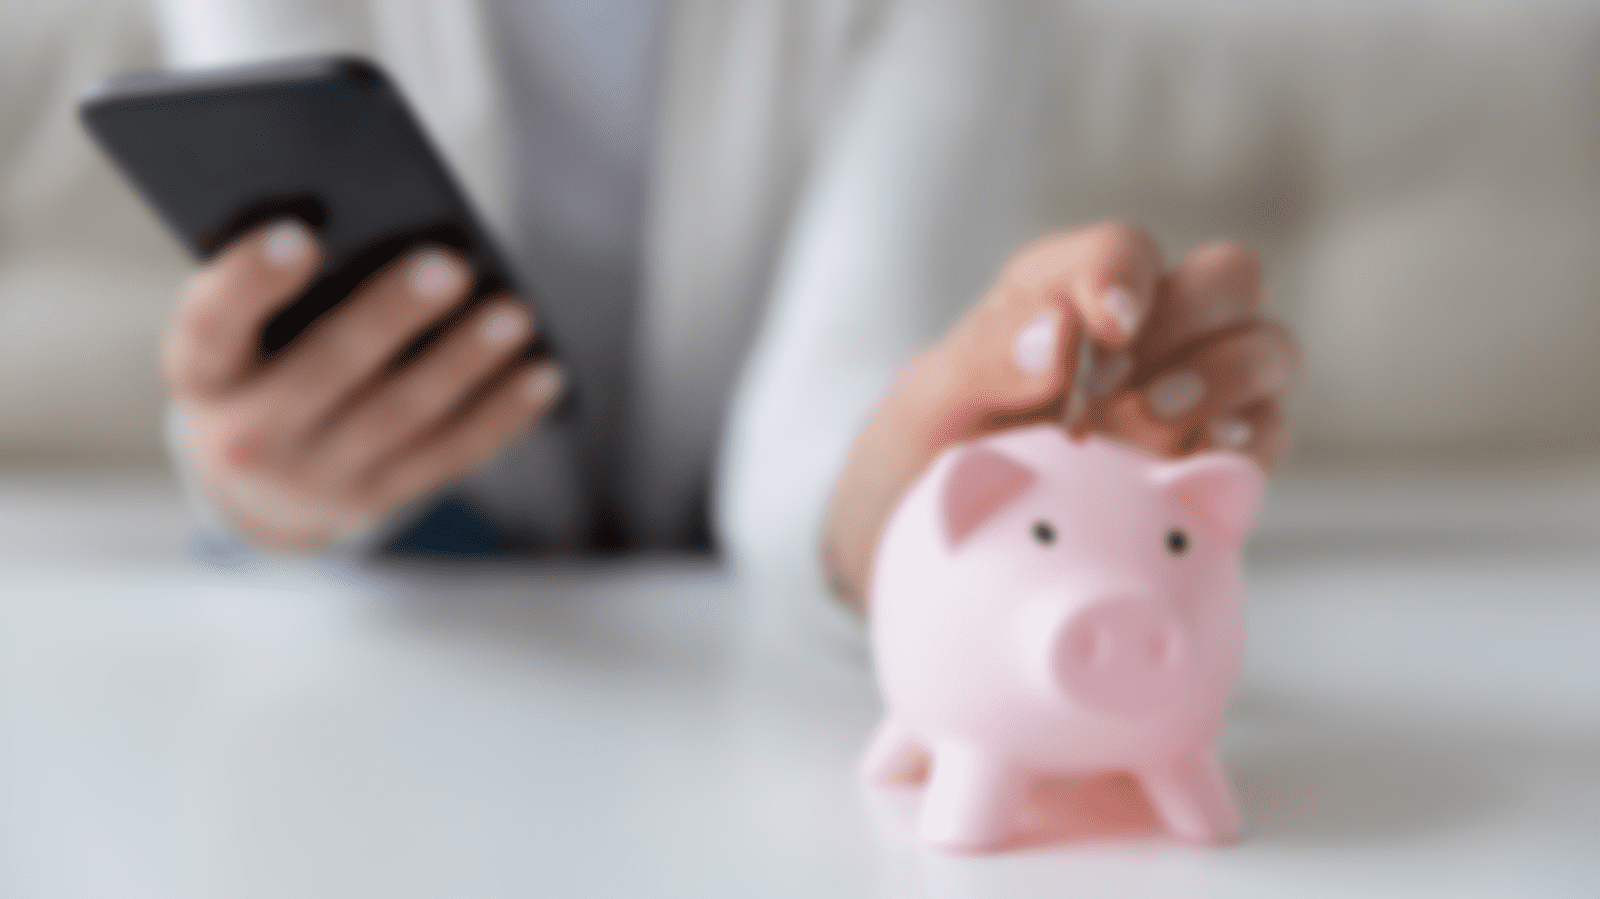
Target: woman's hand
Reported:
point(330, 436)
point(1185, 360)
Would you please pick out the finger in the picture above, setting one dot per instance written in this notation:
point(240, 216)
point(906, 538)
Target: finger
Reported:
point(1106, 273)
point(1014, 355)
point(214, 339)
point(469, 442)
point(1258, 430)
point(1239, 369)
point(423, 394)
point(1217, 286)
point(1275, 439)
point(340, 354)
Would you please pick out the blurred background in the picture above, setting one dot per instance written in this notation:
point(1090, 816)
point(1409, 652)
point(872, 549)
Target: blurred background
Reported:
point(86, 273)
point(1423, 179)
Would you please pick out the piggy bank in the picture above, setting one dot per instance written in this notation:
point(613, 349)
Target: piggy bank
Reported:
point(1043, 606)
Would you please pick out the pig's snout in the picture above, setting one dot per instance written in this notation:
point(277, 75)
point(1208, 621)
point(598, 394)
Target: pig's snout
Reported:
point(1120, 656)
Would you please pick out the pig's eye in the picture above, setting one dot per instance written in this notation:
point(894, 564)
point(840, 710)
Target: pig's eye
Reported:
point(1044, 532)
point(1177, 542)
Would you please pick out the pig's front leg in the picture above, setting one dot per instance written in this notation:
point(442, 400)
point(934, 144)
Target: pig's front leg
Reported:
point(894, 757)
point(972, 801)
point(1193, 799)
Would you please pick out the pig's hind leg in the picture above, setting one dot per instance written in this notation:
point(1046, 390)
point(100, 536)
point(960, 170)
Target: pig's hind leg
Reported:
point(894, 758)
point(1192, 797)
point(973, 799)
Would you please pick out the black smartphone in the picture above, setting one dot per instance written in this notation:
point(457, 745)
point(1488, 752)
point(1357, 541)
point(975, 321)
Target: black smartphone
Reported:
point(327, 139)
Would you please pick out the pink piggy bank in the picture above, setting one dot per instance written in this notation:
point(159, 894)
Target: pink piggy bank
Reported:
point(1043, 606)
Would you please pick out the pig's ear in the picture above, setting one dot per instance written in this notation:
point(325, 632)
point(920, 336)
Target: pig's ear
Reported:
point(979, 483)
point(1222, 488)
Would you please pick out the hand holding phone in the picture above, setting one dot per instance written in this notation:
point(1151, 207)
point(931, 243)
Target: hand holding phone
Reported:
point(329, 436)
point(354, 340)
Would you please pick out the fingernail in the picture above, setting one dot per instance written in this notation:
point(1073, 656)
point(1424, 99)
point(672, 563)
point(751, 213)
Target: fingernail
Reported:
point(1034, 350)
point(543, 384)
point(503, 326)
point(1124, 309)
point(436, 276)
point(286, 245)
point(1228, 432)
point(1174, 394)
point(1110, 370)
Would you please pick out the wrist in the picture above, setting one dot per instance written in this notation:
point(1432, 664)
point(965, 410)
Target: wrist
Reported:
point(270, 518)
point(920, 415)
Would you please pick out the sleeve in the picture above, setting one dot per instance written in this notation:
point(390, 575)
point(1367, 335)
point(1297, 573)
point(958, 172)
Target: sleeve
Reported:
point(914, 205)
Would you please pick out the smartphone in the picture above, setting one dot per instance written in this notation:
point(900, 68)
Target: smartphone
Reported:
point(327, 139)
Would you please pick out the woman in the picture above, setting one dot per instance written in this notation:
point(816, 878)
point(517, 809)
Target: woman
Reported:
point(857, 160)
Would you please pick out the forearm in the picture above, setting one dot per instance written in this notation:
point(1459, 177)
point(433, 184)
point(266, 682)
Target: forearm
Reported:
point(920, 415)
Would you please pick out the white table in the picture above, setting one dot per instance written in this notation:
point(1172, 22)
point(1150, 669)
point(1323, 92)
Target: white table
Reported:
point(1420, 717)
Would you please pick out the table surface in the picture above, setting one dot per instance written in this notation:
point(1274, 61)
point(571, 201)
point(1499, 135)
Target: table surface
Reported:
point(1419, 716)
